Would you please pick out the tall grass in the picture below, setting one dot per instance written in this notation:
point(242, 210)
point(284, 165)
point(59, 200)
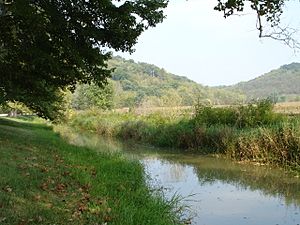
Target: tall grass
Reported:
point(252, 132)
point(45, 180)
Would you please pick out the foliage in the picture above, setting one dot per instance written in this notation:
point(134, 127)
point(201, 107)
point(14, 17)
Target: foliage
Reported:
point(14, 108)
point(4, 108)
point(252, 132)
point(91, 95)
point(255, 114)
point(146, 85)
point(59, 183)
point(48, 46)
point(271, 9)
point(280, 85)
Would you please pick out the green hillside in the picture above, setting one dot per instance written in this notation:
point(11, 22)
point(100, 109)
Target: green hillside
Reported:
point(142, 84)
point(282, 84)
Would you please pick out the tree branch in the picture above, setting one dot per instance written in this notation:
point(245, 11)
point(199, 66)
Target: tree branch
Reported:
point(282, 34)
point(285, 35)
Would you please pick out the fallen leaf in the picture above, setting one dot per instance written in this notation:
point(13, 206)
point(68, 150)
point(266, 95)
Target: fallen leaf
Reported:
point(22, 222)
point(49, 205)
point(44, 186)
point(39, 219)
point(45, 170)
point(76, 214)
point(66, 173)
point(86, 197)
point(22, 167)
point(7, 189)
point(95, 211)
point(94, 172)
point(37, 197)
point(107, 218)
point(101, 201)
point(60, 187)
point(82, 207)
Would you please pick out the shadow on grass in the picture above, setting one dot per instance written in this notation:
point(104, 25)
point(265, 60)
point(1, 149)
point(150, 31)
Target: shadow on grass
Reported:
point(25, 122)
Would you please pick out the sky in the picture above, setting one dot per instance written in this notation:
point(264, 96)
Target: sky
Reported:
point(197, 42)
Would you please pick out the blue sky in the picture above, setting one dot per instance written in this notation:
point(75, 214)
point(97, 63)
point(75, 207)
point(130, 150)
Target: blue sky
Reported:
point(197, 42)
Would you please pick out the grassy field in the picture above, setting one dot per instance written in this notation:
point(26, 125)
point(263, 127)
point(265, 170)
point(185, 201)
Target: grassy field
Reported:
point(245, 133)
point(45, 180)
point(288, 107)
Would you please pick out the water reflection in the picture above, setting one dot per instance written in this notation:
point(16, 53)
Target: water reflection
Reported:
point(222, 192)
point(273, 182)
point(228, 200)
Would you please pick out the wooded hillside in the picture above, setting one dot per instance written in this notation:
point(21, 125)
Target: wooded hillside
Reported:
point(142, 84)
point(281, 84)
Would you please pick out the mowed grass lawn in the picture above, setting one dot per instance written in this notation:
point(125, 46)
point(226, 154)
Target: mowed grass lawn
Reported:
point(45, 180)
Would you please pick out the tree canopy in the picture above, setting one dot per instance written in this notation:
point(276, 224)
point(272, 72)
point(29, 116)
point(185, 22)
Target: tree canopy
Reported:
point(90, 95)
point(47, 46)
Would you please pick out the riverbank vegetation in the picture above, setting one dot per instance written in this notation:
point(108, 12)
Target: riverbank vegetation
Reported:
point(245, 133)
point(45, 180)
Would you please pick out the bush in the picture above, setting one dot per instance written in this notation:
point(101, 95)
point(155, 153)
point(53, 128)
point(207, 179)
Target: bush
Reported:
point(256, 114)
point(209, 116)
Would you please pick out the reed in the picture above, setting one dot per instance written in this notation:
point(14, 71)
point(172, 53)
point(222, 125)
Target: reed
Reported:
point(248, 133)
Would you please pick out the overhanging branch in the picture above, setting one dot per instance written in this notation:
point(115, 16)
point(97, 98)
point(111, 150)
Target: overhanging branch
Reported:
point(278, 33)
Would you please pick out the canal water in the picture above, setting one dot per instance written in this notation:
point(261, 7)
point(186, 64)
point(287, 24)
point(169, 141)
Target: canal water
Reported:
point(216, 191)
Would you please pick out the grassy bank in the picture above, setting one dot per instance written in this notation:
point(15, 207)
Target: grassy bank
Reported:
point(246, 133)
point(45, 180)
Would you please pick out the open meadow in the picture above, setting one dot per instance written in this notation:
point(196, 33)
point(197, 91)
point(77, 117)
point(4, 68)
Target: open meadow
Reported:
point(288, 107)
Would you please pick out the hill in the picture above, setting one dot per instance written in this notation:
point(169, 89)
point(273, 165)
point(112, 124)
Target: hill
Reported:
point(281, 85)
point(142, 84)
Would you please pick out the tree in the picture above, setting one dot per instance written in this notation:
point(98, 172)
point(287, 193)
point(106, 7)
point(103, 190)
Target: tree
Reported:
point(47, 46)
point(268, 14)
point(91, 95)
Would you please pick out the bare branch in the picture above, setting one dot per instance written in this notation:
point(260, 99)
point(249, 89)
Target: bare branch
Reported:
point(285, 35)
point(268, 14)
point(278, 33)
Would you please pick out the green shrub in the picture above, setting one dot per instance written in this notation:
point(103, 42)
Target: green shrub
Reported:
point(256, 114)
point(209, 116)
